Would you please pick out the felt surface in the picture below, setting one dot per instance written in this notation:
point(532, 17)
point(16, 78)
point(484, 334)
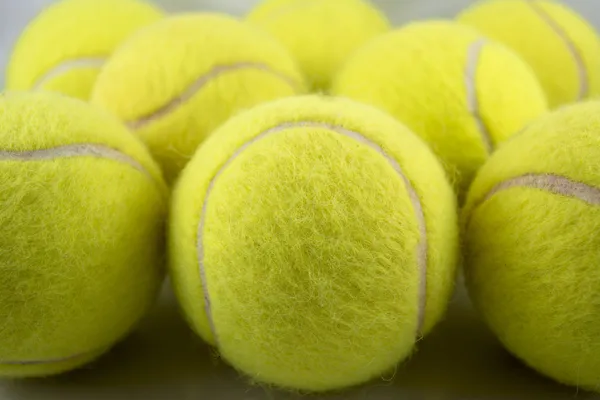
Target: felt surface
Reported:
point(179, 79)
point(320, 34)
point(462, 95)
point(83, 207)
point(531, 245)
point(67, 33)
point(559, 44)
point(305, 239)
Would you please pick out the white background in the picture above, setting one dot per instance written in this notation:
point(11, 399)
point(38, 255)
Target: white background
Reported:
point(14, 14)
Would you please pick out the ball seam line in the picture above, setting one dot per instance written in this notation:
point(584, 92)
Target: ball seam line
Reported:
point(422, 245)
point(473, 58)
point(67, 66)
point(75, 150)
point(555, 184)
point(47, 361)
point(198, 84)
point(570, 45)
point(551, 183)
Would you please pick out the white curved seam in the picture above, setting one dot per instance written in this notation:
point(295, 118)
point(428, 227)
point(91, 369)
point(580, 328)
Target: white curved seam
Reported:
point(551, 183)
point(43, 362)
point(422, 245)
point(473, 59)
point(67, 66)
point(571, 48)
point(202, 81)
point(74, 150)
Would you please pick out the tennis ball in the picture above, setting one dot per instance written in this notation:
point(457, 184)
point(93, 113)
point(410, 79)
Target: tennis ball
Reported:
point(561, 46)
point(313, 241)
point(463, 94)
point(64, 48)
point(532, 240)
point(82, 208)
point(180, 78)
point(321, 34)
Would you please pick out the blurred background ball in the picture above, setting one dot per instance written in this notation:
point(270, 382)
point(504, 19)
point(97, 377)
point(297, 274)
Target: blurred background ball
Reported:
point(177, 80)
point(66, 45)
point(320, 34)
point(463, 94)
point(559, 44)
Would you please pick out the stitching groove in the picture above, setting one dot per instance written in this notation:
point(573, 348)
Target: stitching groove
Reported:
point(74, 150)
point(473, 57)
point(571, 48)
point(42, 362)
point(555, 184)
point(67, 66)
point(202, 81)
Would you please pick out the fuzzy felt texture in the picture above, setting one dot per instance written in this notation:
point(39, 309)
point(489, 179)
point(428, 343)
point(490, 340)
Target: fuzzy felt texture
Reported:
point(321, 34)
point(532, 240)
point(297, 236)
point(64, 47)
point(178, 80)
point(560, 45)
point(82, 216)
point(460, 93)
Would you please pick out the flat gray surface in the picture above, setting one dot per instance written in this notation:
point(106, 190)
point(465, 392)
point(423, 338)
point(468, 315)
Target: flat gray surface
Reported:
point(164, 360)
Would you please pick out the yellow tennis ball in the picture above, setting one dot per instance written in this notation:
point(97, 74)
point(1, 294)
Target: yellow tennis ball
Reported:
point(462, 94)
point(313, 241)
point(64, 48)
point(560, 45)
point(321, 34)
point(532, 240)
point(81, 233)
point(179, 79)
